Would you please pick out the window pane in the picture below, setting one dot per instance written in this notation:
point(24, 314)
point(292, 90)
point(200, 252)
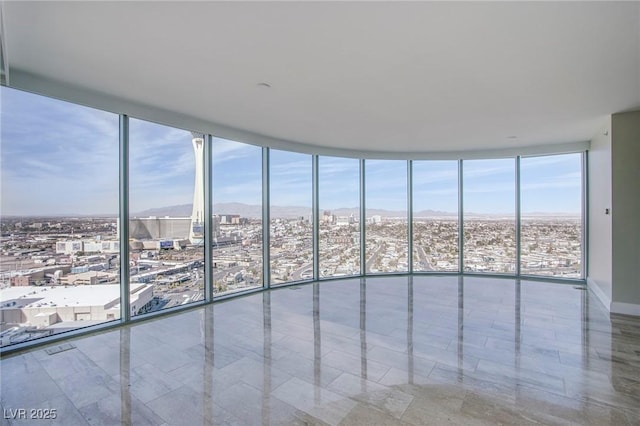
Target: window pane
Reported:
point(551, 224)
point(489, 215)
point(339, 181)
point(435, 216)
point(386, 209)
point(59, 266)
point(237, 216)
point(166, 204)
point(291, 216)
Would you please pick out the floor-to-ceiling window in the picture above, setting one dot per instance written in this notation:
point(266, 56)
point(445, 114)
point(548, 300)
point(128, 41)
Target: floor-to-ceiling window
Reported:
point(291, 234)
point(435, 216)
point(339, 228)
point(237, 216)
point(489, 192)
point(551, 215)
point(59, 263)
point(166, 216)
point(60, 266)
point(386, 214)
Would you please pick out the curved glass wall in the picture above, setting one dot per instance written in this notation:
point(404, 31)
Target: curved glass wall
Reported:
point(291, 244)
point(59, 264)
point(61, 232)
point(435, 216)
point(237, 216)
point(166, 219)
point(386, 214)
point(339, 228)
point(489, 196)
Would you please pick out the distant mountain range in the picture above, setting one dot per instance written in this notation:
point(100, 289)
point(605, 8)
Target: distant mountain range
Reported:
point(255, 211)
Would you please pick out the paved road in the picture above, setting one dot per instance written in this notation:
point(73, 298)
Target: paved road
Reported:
point(372, 260)
point(422, 256)
point(297, 274)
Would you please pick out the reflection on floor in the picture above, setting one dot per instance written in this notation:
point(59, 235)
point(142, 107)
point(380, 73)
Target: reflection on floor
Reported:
point(392, 350)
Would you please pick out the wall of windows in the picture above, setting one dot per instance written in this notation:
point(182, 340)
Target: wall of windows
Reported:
point(61, 229)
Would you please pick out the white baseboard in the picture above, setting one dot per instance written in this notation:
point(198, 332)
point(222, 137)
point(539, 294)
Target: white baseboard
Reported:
point(625, 308)
point(601, 295)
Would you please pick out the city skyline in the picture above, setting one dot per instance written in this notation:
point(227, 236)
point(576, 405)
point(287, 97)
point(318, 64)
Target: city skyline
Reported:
point(61, 159)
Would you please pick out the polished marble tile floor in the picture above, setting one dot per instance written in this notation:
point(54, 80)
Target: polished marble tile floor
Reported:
point(382, 350)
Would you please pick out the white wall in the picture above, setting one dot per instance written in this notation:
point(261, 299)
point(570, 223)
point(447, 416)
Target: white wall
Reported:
point(625, 156)
point(599, 274)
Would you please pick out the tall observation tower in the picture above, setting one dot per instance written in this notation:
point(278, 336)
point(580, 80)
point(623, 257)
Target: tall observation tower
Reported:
point(196, 232)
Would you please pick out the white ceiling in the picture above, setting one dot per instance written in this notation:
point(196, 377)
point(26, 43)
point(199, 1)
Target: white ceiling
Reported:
point(382, 76)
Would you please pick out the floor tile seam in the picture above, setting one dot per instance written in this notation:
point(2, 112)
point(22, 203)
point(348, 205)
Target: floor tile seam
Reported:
point(376, 408)
point(341, 336)
point(78, 409)
point(420, 346)
point(241, 350)
point(273, 390)
point(518, 370)
point(525, 340)
point(61, 391)
point(355, 334)
point(490, 356)
point(309, 410)
point(132, 397)
point(579, 352)
point(376, 339)
point(130, 385)
point(368, 378)
point(338, 353)
point(273, 370)
point(262, 390)
point(296, 411)
point(414, 375)
point(95, 366)
point(304, 355)
point(168, 421)
point(404, 367)
point(451, 364)
point(350, 373)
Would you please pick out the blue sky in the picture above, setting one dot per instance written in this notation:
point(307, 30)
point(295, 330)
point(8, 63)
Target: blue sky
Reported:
point(56, 157)
point(339, 183)
point(237, 172)
point(290, 178)
point(161, 166)
point(61, 158)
